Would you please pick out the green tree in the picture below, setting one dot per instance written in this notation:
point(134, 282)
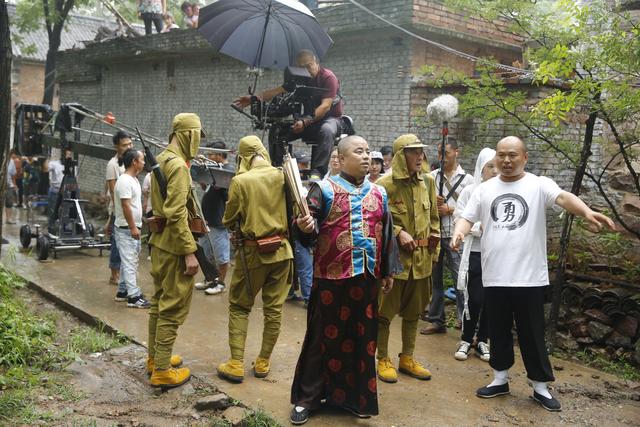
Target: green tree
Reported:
point(31, 14)
point(588, 54)
point(53, 14)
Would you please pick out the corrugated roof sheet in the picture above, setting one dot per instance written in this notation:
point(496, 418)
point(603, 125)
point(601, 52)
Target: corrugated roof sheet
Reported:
point(78, 29)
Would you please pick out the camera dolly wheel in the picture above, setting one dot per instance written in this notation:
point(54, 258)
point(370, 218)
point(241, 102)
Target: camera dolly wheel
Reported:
point(91, 229)
point(25, 236)
point(43, 245)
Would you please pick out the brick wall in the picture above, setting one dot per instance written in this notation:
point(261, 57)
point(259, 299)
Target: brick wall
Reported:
point(428, 54)
point(434, 13)
point(27, 82)
point(425, 15)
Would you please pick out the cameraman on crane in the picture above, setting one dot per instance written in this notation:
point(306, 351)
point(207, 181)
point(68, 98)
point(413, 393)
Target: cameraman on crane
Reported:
point(326, 123)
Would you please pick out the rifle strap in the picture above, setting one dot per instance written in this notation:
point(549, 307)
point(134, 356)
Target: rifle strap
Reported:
point(451, 191)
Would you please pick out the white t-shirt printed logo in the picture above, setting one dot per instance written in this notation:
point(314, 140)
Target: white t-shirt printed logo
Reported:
point(509, 211)
point(514, 240)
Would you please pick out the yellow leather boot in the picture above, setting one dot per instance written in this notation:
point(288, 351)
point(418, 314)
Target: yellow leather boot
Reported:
point(386, 371)
point(176, 362)
point(261, 368)
point(169, 378)
point(232, 370)
point(408, 365)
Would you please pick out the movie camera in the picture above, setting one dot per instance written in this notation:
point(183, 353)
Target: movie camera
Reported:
point(278, 115)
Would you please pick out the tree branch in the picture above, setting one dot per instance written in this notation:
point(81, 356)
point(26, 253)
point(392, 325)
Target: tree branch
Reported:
point(47, 17)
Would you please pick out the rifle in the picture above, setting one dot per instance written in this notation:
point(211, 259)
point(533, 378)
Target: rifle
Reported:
point(239, 241)
point(155, 167)
point(208, 268)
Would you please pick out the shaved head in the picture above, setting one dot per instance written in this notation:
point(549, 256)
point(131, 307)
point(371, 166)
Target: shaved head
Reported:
point(354, 156)
point(349, 142)
point(511, 158)
point(514, 140)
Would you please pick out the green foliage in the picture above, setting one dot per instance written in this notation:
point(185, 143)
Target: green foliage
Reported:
point(31, 358)
point(586, 53)
point(618, 367)
point(24, 338)
point(260, 418)
point(220, 422)
point(609, 248)
point(32, 14)
point(86, 339)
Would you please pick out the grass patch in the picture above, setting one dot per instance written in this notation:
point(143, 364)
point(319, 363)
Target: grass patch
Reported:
point(220, 422)
point(259, 418)
point(31, 359)
point(85, 339)
point(620, 368)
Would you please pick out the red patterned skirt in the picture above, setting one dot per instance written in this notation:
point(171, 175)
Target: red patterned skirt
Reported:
point(337, 362)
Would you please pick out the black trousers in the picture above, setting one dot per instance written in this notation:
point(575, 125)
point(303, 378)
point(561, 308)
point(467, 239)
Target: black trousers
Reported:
point(323, 134)
point(155, 18)
point(526, 307)
point(476, 303)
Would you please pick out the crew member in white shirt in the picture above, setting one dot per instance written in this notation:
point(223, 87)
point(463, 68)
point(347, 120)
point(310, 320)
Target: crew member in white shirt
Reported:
point(127, 225)
point(512, 210)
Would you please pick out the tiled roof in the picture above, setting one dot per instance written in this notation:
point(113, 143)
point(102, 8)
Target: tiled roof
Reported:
point(77, 29)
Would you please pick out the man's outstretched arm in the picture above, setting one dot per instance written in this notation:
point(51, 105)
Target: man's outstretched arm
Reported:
point(266, 95)
point(574, 205)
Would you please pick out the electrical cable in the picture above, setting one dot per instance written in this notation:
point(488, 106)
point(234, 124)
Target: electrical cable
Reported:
point(442, 46)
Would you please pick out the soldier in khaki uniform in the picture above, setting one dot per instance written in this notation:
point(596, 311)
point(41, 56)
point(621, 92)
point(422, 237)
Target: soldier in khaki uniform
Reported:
point(173, 261)
point(256, 209)
point(412, 201)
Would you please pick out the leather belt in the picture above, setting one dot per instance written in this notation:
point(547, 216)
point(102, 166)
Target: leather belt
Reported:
point(255, 242)
point(421, 242)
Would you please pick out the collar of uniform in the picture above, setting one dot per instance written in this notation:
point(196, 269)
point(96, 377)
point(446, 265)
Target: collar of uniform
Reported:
point(260, 163)
point(175, 150)
point(351, 179)
point(459, 171)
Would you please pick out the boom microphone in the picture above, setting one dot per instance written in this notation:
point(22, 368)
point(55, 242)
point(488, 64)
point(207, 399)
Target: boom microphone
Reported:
point(442, 109)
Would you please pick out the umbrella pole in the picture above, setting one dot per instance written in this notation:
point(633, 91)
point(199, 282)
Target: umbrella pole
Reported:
point(264, 35)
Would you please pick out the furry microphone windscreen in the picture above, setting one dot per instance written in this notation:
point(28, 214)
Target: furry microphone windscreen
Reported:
point(442, 109)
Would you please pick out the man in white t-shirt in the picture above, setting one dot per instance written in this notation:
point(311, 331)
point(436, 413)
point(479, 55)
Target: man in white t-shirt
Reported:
point(127, 225)
point(512, 209)
point(121, 142)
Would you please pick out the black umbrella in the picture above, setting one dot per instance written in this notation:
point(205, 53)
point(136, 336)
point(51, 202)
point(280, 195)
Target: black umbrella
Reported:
point(263, 33)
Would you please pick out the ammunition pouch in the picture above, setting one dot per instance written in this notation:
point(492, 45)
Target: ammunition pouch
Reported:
point(266, 245)
point(158, 223)
point(197, 226)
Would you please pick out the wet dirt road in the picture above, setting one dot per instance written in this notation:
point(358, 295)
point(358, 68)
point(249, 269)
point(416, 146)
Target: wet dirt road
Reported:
point(589, 397)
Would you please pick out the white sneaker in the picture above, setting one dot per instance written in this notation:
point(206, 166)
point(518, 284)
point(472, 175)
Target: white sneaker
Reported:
point(463, 350)
point(203, 285)
point(219, 288)
point(482, 350)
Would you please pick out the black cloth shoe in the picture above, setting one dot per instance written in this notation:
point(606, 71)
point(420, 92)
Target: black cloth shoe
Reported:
point(299, 417)
point(493, 391)
point(356, 413)
point(550, 404)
